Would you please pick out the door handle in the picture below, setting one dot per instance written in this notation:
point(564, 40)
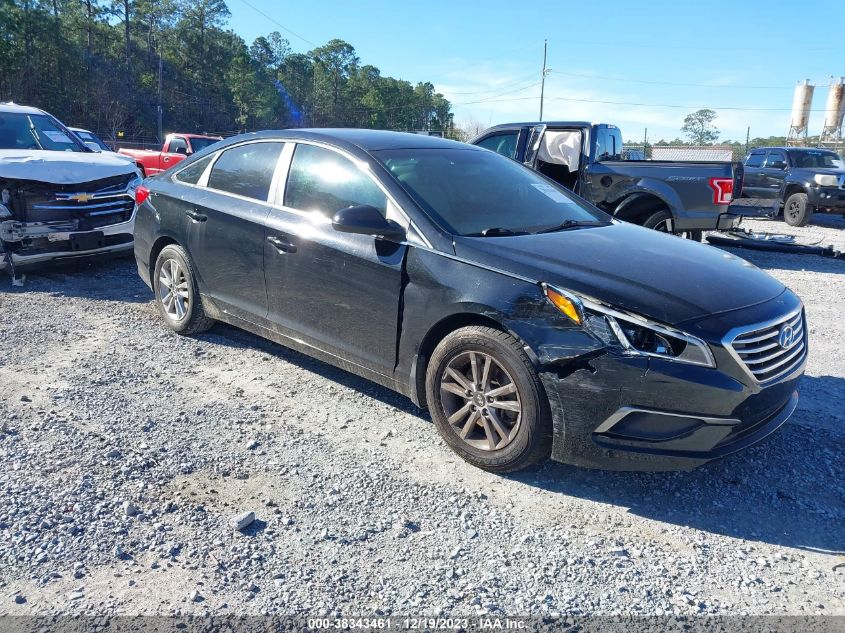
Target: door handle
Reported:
point(283, 246)
point(196, 217)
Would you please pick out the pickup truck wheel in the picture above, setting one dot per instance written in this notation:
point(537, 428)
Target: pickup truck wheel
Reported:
point(796, 211)
point(487, 400)
point(177, 293)
point(660, 221)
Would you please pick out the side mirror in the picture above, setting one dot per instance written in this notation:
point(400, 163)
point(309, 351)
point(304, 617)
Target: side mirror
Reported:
point(365, 219)
point(93, 146)
point(182, 150)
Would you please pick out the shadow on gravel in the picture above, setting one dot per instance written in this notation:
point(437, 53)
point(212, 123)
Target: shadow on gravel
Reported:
point(789, 490)
point(223, 334)
point(788, 261)
point(114, 279)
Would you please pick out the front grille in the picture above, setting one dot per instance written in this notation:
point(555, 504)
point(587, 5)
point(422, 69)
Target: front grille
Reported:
point(766, 353)
point(93, 205)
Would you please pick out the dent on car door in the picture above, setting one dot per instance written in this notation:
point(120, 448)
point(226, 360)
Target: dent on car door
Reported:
point(226, 227)
point(338, 291)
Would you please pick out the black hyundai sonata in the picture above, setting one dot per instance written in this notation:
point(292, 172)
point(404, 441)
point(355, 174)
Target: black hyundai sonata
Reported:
point(527, 321)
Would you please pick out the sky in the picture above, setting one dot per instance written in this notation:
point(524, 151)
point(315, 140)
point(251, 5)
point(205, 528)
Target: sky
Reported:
point(612, 61)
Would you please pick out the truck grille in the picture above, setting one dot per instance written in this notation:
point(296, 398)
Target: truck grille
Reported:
point(773, 350)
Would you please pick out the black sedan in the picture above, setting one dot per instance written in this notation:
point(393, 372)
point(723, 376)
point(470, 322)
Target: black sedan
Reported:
point(527, 321)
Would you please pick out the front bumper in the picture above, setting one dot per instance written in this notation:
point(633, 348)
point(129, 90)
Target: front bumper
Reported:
point(827, 198)
point(618, 412)
point(52, 243)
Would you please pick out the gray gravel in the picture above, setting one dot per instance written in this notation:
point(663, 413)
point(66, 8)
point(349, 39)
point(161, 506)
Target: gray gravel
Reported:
point(131, 456)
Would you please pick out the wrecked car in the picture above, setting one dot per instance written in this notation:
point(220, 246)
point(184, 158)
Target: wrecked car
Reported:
point(58, 198)
point(530, 323)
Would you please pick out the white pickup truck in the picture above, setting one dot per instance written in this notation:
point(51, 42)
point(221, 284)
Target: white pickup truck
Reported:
point(58, 198)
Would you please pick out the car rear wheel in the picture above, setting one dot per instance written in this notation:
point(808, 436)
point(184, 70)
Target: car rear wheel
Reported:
point(796, 211)
point(177, 294)
point(487, 400)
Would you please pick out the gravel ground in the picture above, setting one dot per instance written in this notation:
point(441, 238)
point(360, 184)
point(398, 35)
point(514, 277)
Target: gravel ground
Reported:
point(127, 451)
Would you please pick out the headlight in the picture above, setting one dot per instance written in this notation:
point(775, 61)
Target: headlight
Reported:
point(637, 335)
point(826, 180)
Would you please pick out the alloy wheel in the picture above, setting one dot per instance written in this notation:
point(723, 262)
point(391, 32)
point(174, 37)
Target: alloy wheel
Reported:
point(480, 400)
point(173, 290)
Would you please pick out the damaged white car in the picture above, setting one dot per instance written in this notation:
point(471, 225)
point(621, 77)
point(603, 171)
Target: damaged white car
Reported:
point(58, 198)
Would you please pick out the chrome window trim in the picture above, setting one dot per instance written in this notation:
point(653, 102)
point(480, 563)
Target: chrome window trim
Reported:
point(730, 337)
point(280, 176)
point(407, 222)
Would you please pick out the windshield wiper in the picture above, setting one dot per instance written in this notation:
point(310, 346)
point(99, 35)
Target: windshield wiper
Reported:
point(568, 224)
point(495, 232)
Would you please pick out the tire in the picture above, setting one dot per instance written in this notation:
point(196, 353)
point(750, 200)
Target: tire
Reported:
point(184, 314)
point(662, 220)
point(659, 221)
point(796, 211)
point(142, 170)
point(494, 437)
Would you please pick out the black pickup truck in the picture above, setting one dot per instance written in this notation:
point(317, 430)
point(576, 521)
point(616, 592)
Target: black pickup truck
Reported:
point(799, 180)
point(678, 197)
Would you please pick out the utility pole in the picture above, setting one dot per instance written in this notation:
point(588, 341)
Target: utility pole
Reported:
point(546, 71)
point(747, 138)
point(159, 106)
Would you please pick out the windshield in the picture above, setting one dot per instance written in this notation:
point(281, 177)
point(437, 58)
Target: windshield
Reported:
point(816, 158)
point(199, 144)
point(36, 131)
point(471, 192)
point(90, 137)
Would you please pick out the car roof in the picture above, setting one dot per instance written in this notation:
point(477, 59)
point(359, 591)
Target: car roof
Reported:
point(10, 107)
point(551, 124)
point(355, 138)
point(792, 149)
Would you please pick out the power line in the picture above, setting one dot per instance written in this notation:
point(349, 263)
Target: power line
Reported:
point(648, 105)
point(501, 94)
point(709, 47)
point(669, 83)
point(280, 25)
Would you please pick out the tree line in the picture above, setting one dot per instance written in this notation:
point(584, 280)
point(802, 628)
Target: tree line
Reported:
point(109, 65)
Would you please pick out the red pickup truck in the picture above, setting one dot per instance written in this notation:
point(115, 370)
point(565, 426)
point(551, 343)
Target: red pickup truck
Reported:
point(177, 147)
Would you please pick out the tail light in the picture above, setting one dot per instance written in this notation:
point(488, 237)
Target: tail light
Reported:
point(141, 194)
point(723, 190)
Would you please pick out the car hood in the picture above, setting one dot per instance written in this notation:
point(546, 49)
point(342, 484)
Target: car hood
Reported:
point(62, 168)
point(651, 273)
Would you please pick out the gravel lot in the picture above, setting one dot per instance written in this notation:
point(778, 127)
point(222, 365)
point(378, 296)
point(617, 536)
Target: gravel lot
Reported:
point(127, 450)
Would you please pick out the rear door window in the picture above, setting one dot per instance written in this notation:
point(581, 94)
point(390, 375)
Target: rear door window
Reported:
point(178, 146)
point(775, 159)
point(246, 170)
point(193, 172)
point(504, 144)
point(322, 180)
point(755, 160)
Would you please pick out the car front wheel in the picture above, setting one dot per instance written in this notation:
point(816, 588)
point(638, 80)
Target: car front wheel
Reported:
point(177, 294)
point(487, 400)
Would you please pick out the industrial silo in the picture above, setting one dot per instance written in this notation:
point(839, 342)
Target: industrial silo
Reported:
point(833, 112)
point(802, 100)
